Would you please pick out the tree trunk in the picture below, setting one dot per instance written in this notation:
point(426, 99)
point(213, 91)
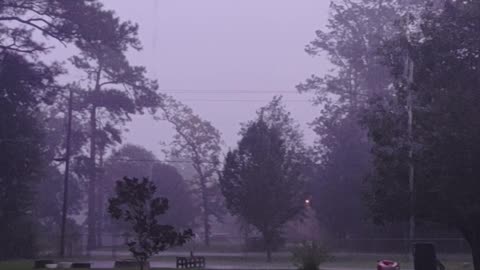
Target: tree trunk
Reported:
point(100, 201)
point(92, 183)
point(475, 246)
point(476, 258)
point(92, 187)
point(246, 233)
point(268, 246)
point(473, 239)
point(99, 219)
point(144, 265)
point(206, 211)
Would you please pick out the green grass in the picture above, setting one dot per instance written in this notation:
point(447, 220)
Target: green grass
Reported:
point(369, 261)
point(16, 265)
point(344, 261)
point(28, 265)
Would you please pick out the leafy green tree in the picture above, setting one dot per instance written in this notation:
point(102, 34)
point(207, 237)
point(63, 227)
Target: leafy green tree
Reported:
point(114, 90)
point(446, 129)
point(197, 142)
point(135, 161)
point(135, 203)
point(341, 174)
point(262, 183)
point(24, 86)
point(48, 207)
point(99, 35)
point(129, 160)
point(352, 38)
point(171, 185)
point(275, 114)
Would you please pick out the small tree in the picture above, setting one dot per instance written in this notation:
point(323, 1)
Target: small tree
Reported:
point(198, 142)
point(136, 205)
point(262, 182)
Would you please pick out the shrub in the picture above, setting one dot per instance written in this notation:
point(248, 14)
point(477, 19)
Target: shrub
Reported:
point(310, 255)
point(135, 203)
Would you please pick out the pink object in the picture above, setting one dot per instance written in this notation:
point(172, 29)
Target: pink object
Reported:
point(388, 265)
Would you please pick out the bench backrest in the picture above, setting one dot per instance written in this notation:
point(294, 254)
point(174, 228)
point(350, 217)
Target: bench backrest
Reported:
point(190, 262)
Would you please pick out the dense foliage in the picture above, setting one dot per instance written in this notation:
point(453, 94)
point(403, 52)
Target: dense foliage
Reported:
point(262, 183)
point(135, 161)
point(310, 255)
point(23, 86)
point(136, 204)
point(445, 143)
point(196, 143)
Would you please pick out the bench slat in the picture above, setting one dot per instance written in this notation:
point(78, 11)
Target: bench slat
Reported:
point(190, 262)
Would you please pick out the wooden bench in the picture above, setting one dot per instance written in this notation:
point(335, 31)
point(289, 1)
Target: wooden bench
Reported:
point(190, 262)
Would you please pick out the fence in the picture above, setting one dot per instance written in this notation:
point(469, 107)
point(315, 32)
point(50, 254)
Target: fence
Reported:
point(396, 245)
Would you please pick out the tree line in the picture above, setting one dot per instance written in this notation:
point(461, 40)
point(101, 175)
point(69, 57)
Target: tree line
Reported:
point(399, 106)
point(396, 128)
point(110, 90)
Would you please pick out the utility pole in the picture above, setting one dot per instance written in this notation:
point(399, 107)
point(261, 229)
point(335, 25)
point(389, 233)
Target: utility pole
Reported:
point(411, 167)
point(408, 73)
point(67, 168)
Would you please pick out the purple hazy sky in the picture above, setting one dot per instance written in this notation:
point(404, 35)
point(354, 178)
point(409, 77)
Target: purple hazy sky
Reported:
point(229, 47)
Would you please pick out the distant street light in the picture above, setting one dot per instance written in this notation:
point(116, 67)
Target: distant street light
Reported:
point(307, 202)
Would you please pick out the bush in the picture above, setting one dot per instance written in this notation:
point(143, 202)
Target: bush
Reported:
point(17, 239)
point(309, 256)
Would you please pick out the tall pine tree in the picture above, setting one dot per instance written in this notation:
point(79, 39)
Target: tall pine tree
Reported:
point(114, 89)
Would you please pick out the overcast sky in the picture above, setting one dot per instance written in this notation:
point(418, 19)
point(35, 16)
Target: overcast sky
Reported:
point(230, 48)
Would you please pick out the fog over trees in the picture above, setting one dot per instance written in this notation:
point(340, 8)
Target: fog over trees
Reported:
point(387, 158)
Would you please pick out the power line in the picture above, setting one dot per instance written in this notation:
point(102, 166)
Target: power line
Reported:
point(144, 160)
point(242, 100)
point(154, 160)
point(238, 91)
point(189, 91)
point(17, 140)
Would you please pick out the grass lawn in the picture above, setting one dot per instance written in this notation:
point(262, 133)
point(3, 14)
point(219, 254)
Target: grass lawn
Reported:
point(341, 261)
point(16, 265)
point(28, 265)
point(369, 261)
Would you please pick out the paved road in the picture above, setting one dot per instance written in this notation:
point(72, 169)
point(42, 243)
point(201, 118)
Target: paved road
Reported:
point(246, 266)
point(123, 253)
point(241, 261)
point(109, 265)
